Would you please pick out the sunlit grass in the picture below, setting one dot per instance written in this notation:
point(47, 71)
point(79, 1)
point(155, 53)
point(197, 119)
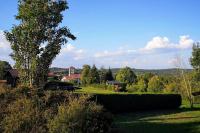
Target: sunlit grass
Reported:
point(99, 90)
point(183, 120)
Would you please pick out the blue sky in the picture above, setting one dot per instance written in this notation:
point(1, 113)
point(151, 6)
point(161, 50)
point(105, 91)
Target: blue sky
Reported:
point(148, 34)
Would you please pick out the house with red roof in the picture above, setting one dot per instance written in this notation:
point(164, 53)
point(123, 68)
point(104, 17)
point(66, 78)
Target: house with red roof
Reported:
point(72, 76)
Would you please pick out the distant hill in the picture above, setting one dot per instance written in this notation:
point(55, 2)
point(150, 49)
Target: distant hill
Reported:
point(170, 71)
point(62, 71)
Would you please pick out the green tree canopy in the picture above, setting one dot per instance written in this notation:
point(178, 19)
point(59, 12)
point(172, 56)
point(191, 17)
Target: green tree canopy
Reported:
point(109, 75)
point(155, 85)
point(38, 38)
point(126, 75)
point(142, 85)
point(102, 75)
point(94, 75)
point(85, 79)
point(195, 59)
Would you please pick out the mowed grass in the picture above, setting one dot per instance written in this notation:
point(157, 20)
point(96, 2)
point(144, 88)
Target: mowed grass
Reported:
point(183, 120)
point(102, 90)
point(177, 121)
point(94, 90)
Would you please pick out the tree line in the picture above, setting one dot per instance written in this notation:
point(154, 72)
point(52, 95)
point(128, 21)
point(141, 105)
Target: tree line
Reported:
point(91, 75)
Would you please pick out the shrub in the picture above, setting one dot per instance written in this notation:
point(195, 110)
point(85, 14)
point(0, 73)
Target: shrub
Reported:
point(119, 103)
point(21, 117)
point(80, 116)
point(110, 87)
point(132, 88)
point(171, 88)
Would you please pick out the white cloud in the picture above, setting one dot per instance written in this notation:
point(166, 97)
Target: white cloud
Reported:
point(158, 42)
point(185, 42)
point(164, 43)
point(71, 51)
point(121, 51)
point(4, 44)
point(5, 49)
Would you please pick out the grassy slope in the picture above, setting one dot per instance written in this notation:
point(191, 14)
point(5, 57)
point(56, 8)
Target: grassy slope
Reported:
point(183, 120)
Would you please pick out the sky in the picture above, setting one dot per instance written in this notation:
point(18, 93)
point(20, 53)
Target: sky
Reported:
point(145, 34)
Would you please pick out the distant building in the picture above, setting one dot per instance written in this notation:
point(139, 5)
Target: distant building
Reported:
point(71, 70)
point(52, 76)
point(12, 77)
point(72, 76)
point(118, 86)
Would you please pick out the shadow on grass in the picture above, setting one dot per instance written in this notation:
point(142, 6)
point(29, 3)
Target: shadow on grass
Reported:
point(156, 121)
point(148, 127)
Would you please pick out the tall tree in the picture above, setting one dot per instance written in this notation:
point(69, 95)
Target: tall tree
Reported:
point(85, 79)
point(126, 75)
point(94, 75)
point(38, 38)
point(102, 75)
point(195, 59)
point(109, 75)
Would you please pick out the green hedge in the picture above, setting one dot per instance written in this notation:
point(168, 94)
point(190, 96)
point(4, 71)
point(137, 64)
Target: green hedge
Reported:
point(119, 103)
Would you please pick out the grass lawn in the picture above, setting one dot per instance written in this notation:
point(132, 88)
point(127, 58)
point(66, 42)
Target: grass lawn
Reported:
point(94, 90)
point(183, 120)
point(99, 90)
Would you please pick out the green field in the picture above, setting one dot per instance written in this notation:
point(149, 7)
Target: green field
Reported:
point(183, 120)
point(98, 90)
point(177, 121)
point(94, 90)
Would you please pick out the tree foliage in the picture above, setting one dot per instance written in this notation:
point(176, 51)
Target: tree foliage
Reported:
point(102, 75)
point(155, 85)
point(126, 75)
point(109, 75)
point(85, 75)
point(37, 39)
point(94, 75)
point(195, 59)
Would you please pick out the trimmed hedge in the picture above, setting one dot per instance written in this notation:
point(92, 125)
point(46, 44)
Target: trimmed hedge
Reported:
point(121, 103)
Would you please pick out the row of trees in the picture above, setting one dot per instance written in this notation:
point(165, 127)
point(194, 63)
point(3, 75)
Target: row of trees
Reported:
point(91, 75)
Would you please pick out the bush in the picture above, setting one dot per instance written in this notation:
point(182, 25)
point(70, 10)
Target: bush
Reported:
point(80, 116)
point(119, 103)
point(21, 116)
point(110, 87)
point(133, 88)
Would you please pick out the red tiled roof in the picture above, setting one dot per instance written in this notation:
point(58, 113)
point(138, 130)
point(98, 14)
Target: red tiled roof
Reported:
point(72, 76)
point(51, 74)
